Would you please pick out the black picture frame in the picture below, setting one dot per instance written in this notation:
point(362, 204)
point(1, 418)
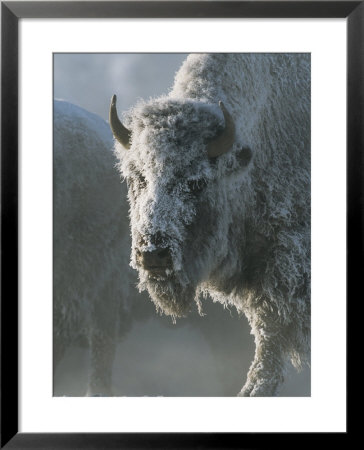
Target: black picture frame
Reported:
point(11, 12)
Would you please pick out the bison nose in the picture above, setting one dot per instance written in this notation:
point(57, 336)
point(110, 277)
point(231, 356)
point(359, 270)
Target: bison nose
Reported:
point(157, 260)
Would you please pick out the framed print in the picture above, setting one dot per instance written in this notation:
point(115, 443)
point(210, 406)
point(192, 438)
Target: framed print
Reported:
point(123, 155)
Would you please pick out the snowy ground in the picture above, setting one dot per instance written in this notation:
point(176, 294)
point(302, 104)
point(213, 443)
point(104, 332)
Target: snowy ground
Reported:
point(207, 356)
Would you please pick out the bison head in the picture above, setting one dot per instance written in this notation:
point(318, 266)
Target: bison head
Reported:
point(180, 159)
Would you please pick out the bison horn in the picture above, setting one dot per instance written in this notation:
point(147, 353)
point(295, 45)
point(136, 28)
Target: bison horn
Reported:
point(120, 133)
point(222, 143)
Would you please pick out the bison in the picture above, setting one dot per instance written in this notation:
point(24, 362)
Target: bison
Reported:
point(218, 175)
point(91, 303)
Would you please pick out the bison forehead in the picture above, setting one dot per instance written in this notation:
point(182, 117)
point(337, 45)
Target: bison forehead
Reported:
point(169, 137)
point(165, 111)
point(175, 122)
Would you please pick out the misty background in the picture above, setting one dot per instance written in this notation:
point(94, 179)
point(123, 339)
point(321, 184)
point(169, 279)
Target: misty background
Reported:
point(198, 356)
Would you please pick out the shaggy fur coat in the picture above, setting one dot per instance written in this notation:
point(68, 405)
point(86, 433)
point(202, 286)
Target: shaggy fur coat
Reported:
point(237, 226)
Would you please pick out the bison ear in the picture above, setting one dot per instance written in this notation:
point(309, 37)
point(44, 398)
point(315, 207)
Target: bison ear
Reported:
point(244, 156)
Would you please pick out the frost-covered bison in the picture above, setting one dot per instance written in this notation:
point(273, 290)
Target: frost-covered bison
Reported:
point(218, 176)
point(91, 242)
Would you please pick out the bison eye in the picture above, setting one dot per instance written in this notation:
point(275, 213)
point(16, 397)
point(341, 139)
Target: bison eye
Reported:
point(136, 180)
point(196, 186)
point(141, 181)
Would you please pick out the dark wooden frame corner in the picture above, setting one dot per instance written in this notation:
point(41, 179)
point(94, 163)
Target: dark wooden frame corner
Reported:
point(11, 12)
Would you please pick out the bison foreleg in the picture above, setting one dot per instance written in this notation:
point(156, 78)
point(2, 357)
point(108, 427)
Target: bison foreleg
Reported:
point(266, 374)
point(102, 353)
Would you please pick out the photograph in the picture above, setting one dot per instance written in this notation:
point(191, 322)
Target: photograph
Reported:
point(181, 193)
point(181, 225)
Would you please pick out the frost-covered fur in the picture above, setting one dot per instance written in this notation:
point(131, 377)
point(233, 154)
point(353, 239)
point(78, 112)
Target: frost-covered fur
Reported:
point(91, 242)
point(237, 226)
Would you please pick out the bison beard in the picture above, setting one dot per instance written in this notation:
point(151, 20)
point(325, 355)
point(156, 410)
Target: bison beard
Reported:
point(227, 186)
point(176, 293)
point(170, 297)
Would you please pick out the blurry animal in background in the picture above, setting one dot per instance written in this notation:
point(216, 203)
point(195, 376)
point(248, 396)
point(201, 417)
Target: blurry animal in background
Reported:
point(218, 175)
point(91, 243)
